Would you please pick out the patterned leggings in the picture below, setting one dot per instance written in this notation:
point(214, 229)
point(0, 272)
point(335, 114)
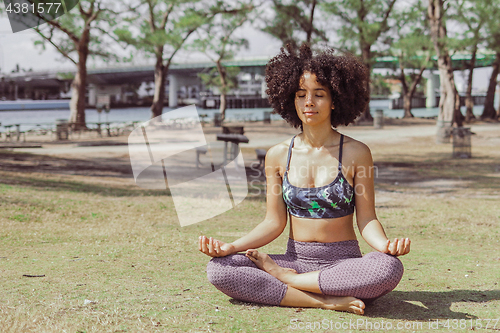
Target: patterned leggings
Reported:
point(343, 272)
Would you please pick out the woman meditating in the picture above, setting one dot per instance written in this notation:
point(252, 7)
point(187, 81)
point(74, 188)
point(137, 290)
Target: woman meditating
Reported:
point(319, 178)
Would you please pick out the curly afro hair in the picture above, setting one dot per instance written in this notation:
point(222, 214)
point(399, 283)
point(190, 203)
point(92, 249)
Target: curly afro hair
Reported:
point(345, 76)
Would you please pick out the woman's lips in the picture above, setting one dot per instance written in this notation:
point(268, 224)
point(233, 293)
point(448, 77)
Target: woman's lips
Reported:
point(309, 113)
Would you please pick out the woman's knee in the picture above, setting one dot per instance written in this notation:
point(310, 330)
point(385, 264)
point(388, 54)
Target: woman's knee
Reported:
point(216, 271)
point(222, 270)
point(389, 267)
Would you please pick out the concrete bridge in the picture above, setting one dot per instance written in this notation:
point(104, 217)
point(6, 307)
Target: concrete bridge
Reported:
point(183, 84)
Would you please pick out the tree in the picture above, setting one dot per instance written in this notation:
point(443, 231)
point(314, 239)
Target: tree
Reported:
point(78, 35)
point(217, 41)
point(293, 19)
point(493, 40)
point(164, 27)
point(362, 25)
point(473, 15)
point(413, 49)
point(449, 103)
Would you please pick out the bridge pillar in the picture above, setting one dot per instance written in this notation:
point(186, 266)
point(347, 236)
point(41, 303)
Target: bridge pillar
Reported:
point(433, 84)
point(263, 87)
point(92, 94)
point(172, 90)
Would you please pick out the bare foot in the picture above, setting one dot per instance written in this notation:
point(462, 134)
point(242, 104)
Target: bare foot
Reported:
point(264, 262)
point(349, 304)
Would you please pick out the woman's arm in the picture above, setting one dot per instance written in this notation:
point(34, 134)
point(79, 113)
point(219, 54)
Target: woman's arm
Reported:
point(369, 226)
point(276, 215)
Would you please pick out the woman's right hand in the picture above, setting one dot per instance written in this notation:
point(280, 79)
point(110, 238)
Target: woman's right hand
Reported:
point(215, 248)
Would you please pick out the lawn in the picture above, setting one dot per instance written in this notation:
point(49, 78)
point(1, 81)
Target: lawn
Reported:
point(97, 254)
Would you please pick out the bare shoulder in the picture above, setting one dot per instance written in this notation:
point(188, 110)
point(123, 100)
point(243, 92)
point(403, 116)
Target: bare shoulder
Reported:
point(356, 151)
point(277, 154)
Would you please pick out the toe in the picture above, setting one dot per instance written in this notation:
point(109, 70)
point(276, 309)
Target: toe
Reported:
point(251, 253)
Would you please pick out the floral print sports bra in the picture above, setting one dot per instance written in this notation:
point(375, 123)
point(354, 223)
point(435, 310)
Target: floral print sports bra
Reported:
point(329, 201)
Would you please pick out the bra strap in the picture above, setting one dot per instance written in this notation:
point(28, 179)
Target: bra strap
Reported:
point(340, 151)
point(289, 153)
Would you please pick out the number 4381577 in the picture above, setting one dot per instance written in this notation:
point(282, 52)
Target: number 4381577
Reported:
point(39, 8)
point(471, 323)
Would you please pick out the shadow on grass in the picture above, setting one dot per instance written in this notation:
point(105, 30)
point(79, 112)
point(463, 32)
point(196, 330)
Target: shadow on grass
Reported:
point(480, 171)
point(427, 305)
point(73, 186)
point(19, 169)
point(415, 305)
point(96, 167)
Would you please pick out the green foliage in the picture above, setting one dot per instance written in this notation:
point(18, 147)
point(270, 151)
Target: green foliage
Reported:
point(161, 27)
point(217, 40)
point(293, 19)
point(378, 86)
point(413, 44)
point(213, 79)
point(363, 22)
point(492, 26)
point(472, 16)
point(93, 17)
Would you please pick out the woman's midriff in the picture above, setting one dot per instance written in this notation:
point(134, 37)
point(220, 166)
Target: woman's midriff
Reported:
point(322, 230)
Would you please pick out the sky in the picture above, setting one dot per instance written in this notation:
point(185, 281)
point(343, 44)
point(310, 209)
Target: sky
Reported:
point(19, 48)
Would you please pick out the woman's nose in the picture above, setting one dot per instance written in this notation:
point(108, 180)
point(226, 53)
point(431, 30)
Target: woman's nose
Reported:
point(309, 99)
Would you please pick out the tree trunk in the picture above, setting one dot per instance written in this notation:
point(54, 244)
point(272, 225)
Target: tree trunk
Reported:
point(223, 89)
point(160, 80)
point(489, 108)
point(223, 105)
point(407, 105)
point(469, 103)
point(366, 57)
point(406, 93)
point(310, 27)
point(498, 111)
point(79, 84)
point(449, 103)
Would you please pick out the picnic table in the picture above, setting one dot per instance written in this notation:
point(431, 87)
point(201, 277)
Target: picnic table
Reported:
point(235, 140)
point(10, 132)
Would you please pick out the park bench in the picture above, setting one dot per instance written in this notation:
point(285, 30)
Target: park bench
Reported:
point(261, 156)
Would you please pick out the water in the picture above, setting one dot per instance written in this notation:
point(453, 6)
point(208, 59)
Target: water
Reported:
point(47, 118)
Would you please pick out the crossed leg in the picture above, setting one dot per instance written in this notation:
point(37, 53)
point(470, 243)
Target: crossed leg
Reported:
point(303, 289)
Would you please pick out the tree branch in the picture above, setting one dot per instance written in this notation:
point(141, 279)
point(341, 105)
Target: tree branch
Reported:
point(151, 16)
point(71, 35)
point(165, 17)
point(49, 39)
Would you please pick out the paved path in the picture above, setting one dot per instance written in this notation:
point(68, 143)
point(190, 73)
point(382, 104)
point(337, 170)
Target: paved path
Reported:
point(365, 134)
point(370, 135)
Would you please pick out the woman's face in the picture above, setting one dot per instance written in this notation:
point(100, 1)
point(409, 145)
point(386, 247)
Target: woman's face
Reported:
point(313, 101)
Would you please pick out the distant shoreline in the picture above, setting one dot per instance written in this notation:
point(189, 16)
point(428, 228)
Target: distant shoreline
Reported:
point(31, 105)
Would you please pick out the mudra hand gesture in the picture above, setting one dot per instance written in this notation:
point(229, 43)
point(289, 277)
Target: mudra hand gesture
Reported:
point(398, 247)
point(215, 248)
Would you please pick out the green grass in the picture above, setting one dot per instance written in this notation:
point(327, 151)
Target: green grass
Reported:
point(115, 259)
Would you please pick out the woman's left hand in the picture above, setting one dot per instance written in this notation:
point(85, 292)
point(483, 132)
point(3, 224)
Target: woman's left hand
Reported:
point(398, 247)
